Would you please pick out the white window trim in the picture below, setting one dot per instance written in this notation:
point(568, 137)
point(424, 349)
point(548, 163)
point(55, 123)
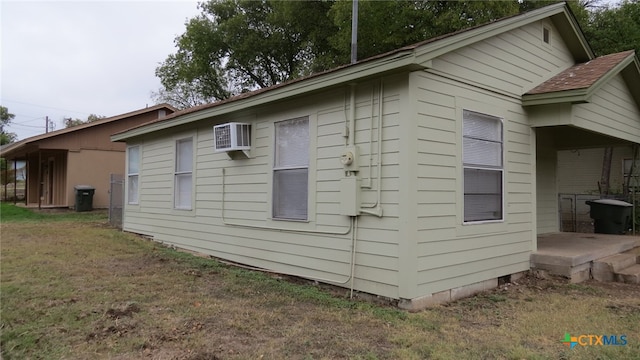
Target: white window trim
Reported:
point(131, 175)
point(276, 169)
point(491, 168)
point(546, 27)
point(177, 173)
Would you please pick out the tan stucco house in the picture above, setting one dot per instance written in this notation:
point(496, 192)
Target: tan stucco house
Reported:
point(58, 161)
point(422, 175)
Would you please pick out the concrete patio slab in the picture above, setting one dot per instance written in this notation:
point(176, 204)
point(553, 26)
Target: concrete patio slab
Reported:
point(573, 249)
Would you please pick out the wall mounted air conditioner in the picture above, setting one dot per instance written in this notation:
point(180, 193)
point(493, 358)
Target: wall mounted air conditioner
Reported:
point(232, 136)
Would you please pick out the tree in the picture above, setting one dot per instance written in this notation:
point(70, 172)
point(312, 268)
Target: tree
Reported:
point(5, 119)
point(616, 29)
point(70, 122)
point(236, 46)
point(387, 25)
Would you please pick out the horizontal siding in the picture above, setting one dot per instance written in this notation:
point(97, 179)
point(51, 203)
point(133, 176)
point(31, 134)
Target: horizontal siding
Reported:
point(612, 111)
point(450, 254)
point(247, 191)
point(510, 63)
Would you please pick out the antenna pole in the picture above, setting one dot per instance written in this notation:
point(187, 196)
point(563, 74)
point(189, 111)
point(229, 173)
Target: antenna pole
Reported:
point(354, 32)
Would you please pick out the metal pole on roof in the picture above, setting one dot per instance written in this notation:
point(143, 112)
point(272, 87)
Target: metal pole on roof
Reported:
point(354, 32)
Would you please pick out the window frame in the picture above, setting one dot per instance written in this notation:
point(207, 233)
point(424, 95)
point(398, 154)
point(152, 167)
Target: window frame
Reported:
point(277, 169)
point(133, 175)
point(182, 174)
point(500, 169)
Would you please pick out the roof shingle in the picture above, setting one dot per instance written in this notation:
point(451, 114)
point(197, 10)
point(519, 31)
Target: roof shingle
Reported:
point(581, 76)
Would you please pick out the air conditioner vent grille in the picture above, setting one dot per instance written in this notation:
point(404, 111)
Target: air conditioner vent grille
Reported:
point(232, 136)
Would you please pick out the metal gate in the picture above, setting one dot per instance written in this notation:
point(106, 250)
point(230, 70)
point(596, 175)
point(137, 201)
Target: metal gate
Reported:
point(116, 200)
point(574, 212)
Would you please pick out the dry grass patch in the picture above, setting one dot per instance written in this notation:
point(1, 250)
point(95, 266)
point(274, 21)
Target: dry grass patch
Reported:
point(78, 289)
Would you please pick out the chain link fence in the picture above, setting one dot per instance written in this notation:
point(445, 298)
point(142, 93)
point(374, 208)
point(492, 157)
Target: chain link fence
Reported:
point(116, 200)
point(574, 213)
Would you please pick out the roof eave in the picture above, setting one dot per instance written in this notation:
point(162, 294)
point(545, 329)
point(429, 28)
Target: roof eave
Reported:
point(401, 61)
point(631, 75)
point(629, 68)
point(17, 146)
point(559, 13)
point(574, 38)
point(567, 96)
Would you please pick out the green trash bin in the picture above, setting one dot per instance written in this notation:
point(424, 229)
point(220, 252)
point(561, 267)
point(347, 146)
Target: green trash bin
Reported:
point(84, 197)
point(610, 216)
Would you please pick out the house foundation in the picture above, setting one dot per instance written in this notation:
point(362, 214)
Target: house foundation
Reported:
point(441, 297)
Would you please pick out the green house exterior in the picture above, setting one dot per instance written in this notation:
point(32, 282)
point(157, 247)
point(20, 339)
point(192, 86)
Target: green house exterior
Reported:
point(421, 175)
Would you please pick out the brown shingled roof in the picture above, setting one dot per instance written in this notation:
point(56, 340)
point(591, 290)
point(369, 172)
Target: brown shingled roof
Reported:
point(581, 76)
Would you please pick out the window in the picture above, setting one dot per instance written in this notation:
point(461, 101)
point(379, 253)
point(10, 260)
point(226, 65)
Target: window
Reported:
point(133, 172)
point(483, 167)
point(546, 34)
point(183, 174)
point(290, 170)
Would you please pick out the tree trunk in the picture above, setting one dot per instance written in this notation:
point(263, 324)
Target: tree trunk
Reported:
point(606, 171)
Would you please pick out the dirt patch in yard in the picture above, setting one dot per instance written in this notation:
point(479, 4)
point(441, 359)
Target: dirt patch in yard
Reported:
point(88, 291)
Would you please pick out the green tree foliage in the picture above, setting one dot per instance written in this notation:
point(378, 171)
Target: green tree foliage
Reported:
point(616, 29)
point(70, 122)
point(5, 119)
point(236, 46)
point(387, 25)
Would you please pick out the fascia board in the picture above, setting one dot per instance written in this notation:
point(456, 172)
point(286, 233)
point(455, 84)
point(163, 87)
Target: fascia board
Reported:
point(568, 96)
point(611, 74)
point(403, 60)
point(440, 47)
point(631, 75)
point(584, 95)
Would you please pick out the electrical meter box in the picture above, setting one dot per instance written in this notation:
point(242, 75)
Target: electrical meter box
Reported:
point(350, 196)
point(350, 158)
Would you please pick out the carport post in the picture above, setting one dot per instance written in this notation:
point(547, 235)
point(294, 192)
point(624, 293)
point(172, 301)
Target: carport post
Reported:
point(15, 182)
point(39, 179)
point(26, 178)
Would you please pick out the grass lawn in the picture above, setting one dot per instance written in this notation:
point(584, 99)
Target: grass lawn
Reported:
point(74, 288)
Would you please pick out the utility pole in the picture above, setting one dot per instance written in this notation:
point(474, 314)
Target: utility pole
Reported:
point(49, 126)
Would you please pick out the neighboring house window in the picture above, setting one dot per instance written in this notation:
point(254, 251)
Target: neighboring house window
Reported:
point(483, 167)
point(183, 173)
point(133, 172)
point(291, 169)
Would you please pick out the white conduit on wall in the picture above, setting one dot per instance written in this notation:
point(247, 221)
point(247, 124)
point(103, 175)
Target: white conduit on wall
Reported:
point(374, 209)
point(352, 118)
point(377, 208)
point(369, 184)
point(352, 224)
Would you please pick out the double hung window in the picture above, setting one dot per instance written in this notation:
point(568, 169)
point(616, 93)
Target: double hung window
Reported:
point(291, 169)
point(483, 167)
point(133, 173)
point(183, 174)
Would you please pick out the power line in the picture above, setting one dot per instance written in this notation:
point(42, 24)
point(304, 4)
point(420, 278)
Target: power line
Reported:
point(43, 106)
point(26, 126)
point(25, 121)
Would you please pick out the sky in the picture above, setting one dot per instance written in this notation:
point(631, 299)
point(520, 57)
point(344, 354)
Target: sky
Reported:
point(75, 58)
